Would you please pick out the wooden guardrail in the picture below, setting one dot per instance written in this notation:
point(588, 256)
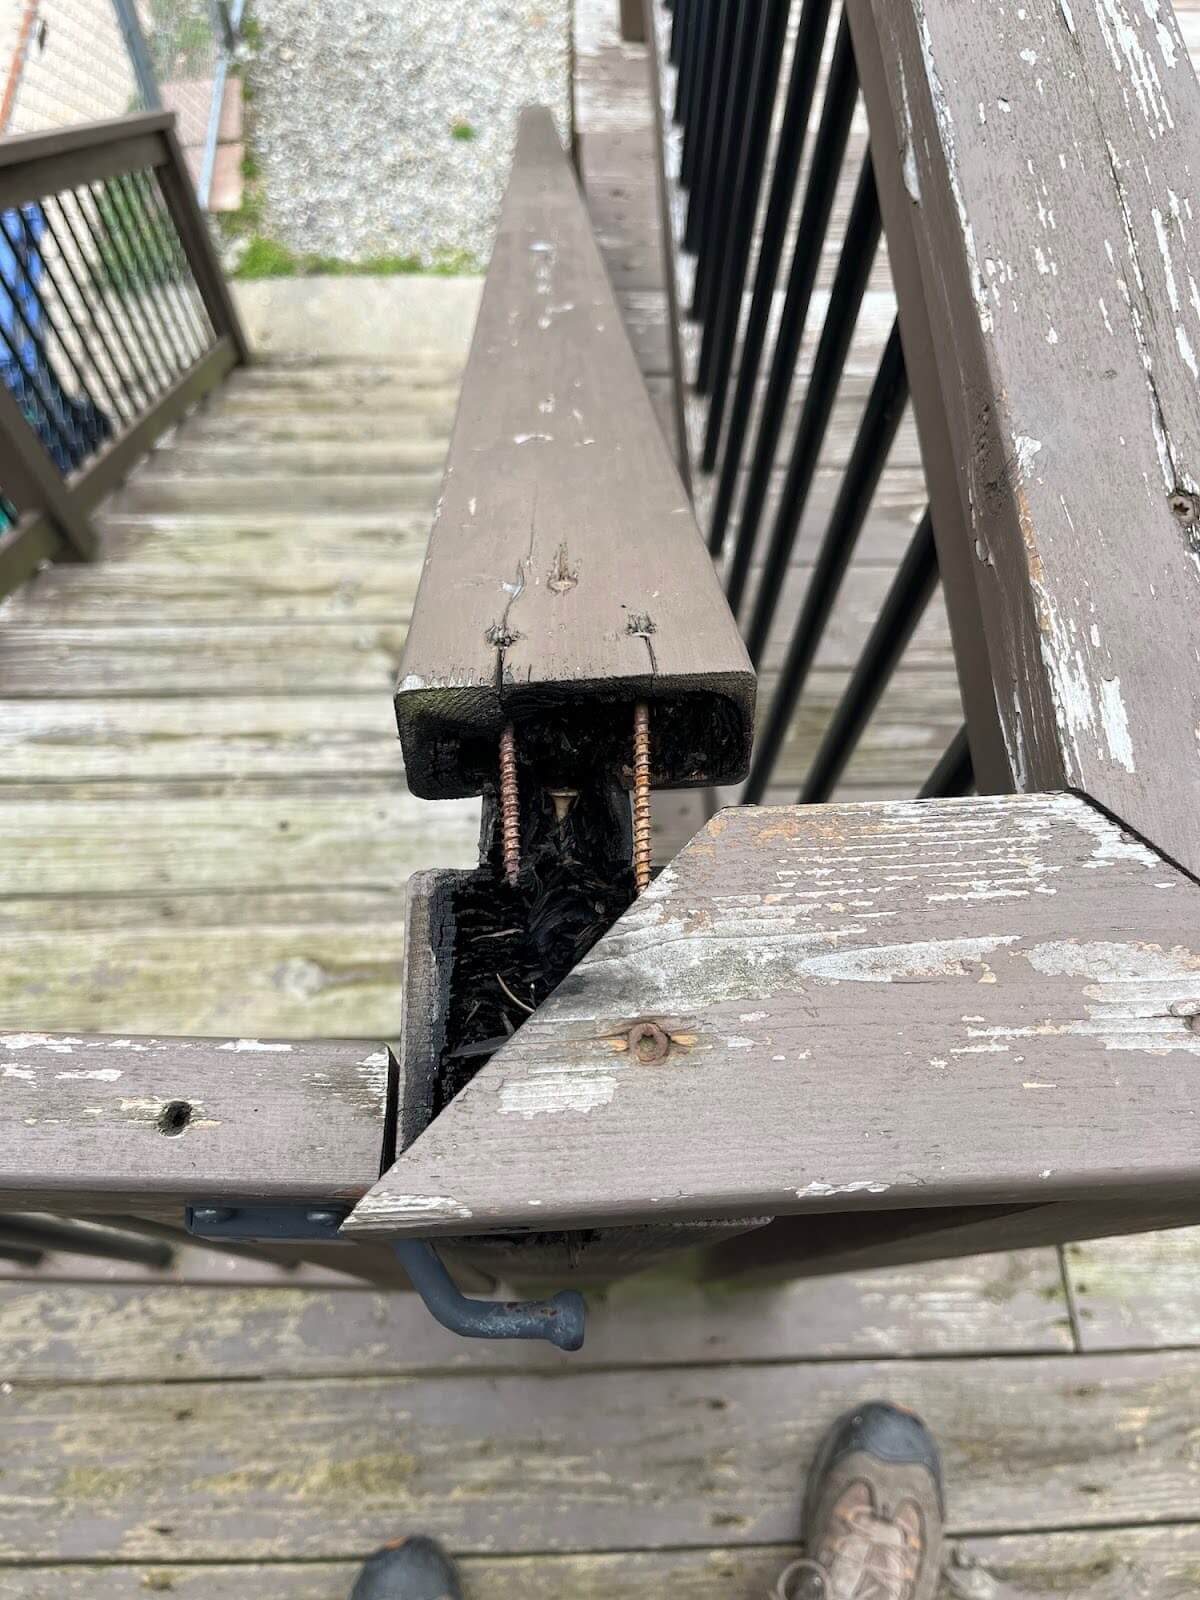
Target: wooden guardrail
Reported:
point(115, 319)
point(976, 1016)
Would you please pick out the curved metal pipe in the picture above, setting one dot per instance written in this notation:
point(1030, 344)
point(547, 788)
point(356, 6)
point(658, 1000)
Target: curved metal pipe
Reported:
point(559, 1320)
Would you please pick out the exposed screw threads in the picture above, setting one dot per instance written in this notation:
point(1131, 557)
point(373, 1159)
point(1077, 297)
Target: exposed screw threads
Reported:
point(641, 795)
point(510, 811)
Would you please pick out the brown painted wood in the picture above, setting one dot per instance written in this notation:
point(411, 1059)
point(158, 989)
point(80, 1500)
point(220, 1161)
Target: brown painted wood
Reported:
point(1109, 1564)
point(33, 482)
point(565, 562)
point(605, 1461)
point(90, 1121)
point(35, 165)
point(32, 540)
point(809, 1247)
point(1049, 159)
point(882, 1006)
point(956, 558)
point(633, 21)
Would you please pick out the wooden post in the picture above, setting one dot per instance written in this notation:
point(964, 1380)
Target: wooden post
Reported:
point(1048, 158)
point(33, 482)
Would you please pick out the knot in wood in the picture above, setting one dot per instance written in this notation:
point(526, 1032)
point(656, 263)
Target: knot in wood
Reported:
point(648, 1042)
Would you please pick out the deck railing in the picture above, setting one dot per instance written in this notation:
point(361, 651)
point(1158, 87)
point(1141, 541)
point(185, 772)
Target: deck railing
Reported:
point(1030, 174)
point(114, 320)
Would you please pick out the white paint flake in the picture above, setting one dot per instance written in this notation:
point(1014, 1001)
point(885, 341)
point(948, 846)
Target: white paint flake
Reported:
point(818, 1190)
point(99, 1074)
point(241, 1046)
point(550, 1093)
point(1115, 723)
point(1025, 449)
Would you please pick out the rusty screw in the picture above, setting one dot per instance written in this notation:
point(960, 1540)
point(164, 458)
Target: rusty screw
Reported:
point(641, 795)
point(648, 1042)
point(510, 814)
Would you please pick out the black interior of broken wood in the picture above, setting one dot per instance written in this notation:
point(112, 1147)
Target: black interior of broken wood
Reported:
point(695, 738)
point(512, 944)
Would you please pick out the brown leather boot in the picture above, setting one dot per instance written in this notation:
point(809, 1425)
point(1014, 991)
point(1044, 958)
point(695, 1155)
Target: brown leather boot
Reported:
point(873, 1512)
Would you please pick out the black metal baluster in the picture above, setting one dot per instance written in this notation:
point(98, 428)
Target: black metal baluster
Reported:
point(814, 19)
point(699, 103)
point(686, 43)
point(828, 151)
point(688, 90)
point(33, 248)
point(735, 117)
point(954, 773)
point(149, 234)
point(113, 380)
point(679, 21)
point(150, 270)
point(45, 407)
point(185, 284)
point(720, 326)
point(849, 285)
point(880, 419)
point(714, 101)
point(906, 600)
point(123, 257)
point(135, 377)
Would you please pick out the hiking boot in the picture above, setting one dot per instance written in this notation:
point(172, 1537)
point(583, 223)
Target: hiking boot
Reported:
point(410, 1569)
point(873, 1512)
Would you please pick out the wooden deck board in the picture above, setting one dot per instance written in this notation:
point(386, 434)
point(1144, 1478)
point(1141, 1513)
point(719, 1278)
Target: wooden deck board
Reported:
point(128, 1333)
point(527, 1463)
point(1116, 1564)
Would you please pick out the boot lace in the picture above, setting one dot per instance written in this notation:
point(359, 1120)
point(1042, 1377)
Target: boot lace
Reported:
point(866, 1551)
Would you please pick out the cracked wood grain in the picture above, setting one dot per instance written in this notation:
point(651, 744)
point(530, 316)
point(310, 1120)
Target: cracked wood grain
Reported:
point(565, 561)
point(903, 1004)
point(1049, 153)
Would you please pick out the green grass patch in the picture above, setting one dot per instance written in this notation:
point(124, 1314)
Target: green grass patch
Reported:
point(267, 258)
point(462, 131)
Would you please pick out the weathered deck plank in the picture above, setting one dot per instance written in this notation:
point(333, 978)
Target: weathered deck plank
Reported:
point(981, 1305)
point(521, 1463)
point(1112, 1565)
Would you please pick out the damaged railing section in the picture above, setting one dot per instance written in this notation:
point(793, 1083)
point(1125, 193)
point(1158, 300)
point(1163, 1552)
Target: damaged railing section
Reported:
point(570, 645)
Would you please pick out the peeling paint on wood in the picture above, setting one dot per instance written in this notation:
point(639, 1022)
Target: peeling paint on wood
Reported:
point(839, 931)
point(156, 1121)
point(1059, 250)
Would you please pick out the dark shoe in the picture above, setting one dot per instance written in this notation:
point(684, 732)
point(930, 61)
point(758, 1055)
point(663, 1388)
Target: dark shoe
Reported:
point(410, 1569)
point(873, 1512)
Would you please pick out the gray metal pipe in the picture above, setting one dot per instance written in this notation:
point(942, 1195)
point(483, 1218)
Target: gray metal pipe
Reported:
point(82, 1239)
point(559, 1320)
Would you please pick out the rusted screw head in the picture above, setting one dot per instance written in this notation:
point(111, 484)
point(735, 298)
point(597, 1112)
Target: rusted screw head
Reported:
point(648, 1042)
point(1186, 507)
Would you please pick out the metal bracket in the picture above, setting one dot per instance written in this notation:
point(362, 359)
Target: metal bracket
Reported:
point(295, 1223)
point(559, 1320)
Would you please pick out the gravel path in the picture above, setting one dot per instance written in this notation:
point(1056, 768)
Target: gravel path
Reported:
point(386, 126)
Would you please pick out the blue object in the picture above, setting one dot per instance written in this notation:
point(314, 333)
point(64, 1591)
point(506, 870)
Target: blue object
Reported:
point(70, 429)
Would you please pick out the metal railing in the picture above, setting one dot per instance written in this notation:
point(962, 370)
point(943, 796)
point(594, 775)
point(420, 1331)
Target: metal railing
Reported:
point(114, 320)
point(757, 235)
